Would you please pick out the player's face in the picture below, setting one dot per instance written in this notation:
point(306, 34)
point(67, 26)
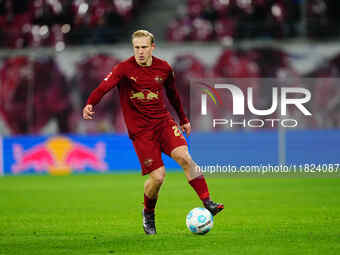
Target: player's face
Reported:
point(142, 49)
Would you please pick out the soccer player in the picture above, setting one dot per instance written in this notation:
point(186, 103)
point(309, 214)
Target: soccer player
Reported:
point(141, 80)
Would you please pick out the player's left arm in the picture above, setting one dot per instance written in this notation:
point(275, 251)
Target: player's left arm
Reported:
point(175, 101)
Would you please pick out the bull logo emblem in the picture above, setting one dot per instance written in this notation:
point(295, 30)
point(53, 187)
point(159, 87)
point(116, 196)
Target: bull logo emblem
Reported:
point(137, 95)
point(151, 96)
point(144, 95)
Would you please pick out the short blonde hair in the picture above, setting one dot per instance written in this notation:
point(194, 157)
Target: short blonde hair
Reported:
point(143, 33)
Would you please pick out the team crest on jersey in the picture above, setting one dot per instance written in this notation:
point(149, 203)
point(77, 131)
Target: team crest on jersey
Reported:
point(158, 79)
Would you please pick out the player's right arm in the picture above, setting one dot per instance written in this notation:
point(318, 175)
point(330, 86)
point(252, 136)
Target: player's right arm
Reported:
point(110, 81)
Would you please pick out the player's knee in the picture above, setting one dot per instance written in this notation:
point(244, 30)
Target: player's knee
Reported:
point(158, 178)
point(183, 159)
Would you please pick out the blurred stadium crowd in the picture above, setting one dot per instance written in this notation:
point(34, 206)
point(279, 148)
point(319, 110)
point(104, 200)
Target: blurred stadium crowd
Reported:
point(36, 23)
point(226, 20)
point(37, 90)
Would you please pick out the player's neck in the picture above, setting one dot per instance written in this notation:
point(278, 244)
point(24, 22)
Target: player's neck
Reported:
point(147, 63)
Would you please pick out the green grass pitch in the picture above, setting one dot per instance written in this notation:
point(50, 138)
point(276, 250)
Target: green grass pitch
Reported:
point(101, 214)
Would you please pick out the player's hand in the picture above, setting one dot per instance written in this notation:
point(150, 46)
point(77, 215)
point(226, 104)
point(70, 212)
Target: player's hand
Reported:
point(186, 128)
point(88, 112)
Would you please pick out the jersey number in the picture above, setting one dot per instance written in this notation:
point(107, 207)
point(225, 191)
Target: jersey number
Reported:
point(176, 131)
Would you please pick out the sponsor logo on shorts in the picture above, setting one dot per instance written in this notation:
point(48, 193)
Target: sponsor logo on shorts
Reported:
point(148, 162)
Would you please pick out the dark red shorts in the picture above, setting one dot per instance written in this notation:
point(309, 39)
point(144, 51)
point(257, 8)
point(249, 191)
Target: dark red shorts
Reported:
point(150, 144)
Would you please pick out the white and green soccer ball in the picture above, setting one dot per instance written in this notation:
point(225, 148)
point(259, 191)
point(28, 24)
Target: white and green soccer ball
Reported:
point(199, 221)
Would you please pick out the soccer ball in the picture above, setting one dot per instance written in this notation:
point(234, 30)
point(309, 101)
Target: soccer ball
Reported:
point(199, 221)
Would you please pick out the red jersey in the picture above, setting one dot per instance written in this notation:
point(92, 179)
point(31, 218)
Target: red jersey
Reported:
point(141, 90)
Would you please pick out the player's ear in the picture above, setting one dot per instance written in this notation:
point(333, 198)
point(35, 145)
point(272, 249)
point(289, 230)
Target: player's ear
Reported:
point(153, 46)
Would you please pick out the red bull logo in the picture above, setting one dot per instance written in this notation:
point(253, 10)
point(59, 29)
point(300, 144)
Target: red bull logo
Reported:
point(59, 156)
point(144, 95)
